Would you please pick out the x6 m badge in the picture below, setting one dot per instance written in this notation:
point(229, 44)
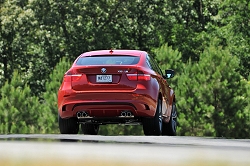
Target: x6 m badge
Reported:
point(103, 70)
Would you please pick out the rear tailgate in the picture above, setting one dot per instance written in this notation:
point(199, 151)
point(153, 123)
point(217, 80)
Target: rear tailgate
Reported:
point(102, 78)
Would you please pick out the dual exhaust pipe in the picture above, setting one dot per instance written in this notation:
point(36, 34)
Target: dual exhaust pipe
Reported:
point(82, 114)
point(126, 114)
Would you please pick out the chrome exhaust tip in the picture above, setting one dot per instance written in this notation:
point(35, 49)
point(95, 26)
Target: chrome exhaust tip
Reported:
point(126, 114)
point(123, 113)
point(84, 114)
point(81, 114)
point(129, 113)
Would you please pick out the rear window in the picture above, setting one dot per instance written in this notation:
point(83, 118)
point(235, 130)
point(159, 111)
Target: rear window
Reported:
point(108, 60)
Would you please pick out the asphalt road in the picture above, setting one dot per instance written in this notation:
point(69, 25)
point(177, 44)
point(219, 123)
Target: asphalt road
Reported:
point(121, 150)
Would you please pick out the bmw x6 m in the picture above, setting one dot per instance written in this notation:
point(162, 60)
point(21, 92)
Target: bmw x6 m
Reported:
point(116, 87)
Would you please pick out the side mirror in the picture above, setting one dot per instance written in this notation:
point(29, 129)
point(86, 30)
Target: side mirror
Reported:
point(169, 73)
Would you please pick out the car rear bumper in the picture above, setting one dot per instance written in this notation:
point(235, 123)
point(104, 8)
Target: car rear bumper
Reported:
point(106, 104)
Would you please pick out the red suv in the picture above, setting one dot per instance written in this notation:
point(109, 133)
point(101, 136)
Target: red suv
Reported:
point(116, 87)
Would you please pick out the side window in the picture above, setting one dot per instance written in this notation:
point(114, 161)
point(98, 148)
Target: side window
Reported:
point(158, 68)
point(148, 62)
point(154, 65)
point(151, 64)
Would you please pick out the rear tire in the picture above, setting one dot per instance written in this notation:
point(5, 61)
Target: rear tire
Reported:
point(68, 126)
point(90, 129)
point(153, 126)
point(170, 128)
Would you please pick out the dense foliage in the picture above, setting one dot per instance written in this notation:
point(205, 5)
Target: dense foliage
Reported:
point(207, 43)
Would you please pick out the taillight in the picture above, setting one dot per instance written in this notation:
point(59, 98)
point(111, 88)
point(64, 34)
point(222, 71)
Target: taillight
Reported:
point(132, 77)
point(143, 77)
point(76, 77)
point(70, 77)
point(138, 76)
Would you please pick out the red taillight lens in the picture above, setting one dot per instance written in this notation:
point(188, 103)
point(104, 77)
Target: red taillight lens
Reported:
point(69, 76)
point(138, 77)
point(76, 77)
point(132, 77)
point(143, 77)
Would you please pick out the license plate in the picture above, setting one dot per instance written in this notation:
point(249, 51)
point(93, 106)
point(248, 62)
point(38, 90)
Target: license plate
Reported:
point(103, 78)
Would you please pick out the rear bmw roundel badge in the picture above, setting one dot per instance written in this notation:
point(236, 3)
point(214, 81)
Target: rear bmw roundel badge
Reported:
point(103, 70)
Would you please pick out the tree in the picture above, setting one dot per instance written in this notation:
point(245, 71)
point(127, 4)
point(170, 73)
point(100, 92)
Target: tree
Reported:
point(21, 112)
point(18, 47)
point(50, 95)
point(231, 26)
point(189, 19)
point(247, 110)
point(16, 25)
point(213, 96)
point(168, 58)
